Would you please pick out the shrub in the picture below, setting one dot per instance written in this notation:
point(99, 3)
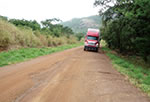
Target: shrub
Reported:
point(8, 34)
point(23, 36)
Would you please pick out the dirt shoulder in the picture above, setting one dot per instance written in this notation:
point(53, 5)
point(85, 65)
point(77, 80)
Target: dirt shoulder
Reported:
point(69, 76)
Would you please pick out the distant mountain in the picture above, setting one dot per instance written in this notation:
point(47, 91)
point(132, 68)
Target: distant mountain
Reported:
point(80, 25)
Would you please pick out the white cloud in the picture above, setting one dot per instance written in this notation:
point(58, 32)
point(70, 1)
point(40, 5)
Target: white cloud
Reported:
point(44, 9)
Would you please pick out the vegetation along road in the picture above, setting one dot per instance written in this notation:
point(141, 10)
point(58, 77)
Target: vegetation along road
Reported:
point(68, 76)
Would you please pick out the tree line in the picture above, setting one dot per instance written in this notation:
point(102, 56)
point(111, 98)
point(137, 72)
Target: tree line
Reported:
point(48, 26)
point(126, 26)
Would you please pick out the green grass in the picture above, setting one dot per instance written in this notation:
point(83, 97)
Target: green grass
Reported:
point(138, 75)
point(20, 55)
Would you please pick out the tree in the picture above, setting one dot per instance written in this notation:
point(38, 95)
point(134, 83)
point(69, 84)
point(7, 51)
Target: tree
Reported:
point(126, 25)
point(48, 22)
point(56, 29)
point(32, 24)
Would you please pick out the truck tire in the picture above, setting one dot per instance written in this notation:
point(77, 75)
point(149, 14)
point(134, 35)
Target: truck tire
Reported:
point(96, 49)
point(84, 49)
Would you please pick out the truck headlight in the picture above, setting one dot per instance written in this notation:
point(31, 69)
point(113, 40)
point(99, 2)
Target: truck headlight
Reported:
point(86, 43)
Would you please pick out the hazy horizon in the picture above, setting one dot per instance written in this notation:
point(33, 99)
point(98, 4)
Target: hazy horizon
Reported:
point(45, 9)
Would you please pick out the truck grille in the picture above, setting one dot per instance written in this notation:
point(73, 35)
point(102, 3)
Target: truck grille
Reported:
point(91, 43)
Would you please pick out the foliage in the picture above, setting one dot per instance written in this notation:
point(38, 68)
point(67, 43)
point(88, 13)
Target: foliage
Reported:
point(80, 36)
point(32, 24)
point(24, 54)
point(48, 28)
point(126, 25)
point(55, 29)
point(17, 37)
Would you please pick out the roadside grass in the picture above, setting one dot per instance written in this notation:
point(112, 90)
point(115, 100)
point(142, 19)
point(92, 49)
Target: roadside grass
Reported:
point(24, 54)
point(136, 73)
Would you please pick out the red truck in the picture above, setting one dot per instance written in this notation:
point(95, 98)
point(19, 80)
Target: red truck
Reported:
point(92, 39)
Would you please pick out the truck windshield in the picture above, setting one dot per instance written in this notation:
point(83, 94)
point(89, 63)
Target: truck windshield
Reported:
point(92, 38)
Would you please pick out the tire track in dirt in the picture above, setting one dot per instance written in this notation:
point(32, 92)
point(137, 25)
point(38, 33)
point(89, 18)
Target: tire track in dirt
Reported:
point(69, 76)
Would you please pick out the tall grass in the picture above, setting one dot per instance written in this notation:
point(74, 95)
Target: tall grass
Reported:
point(14, 37)
point(138, 75)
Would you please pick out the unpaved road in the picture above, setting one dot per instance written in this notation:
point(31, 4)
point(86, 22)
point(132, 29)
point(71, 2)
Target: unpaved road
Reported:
point(69, 76)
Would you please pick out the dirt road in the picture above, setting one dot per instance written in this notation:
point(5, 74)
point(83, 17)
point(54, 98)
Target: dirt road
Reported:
point(69, 76)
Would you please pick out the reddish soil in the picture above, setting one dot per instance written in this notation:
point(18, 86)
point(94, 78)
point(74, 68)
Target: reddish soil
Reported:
point(69, 76)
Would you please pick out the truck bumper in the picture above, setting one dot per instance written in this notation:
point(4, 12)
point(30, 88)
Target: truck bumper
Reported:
point(90, 48)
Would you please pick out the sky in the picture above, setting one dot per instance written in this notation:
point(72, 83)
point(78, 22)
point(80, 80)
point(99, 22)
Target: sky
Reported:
point(46, 9)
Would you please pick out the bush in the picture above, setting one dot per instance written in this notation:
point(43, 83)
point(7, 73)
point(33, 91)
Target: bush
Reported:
point(23, 36)
point(8, 34)
point(147, 80)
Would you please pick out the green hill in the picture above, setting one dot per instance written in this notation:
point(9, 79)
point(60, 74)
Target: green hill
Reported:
point(80, 25)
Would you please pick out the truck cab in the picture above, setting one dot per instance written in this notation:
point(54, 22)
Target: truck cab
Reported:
point(92, 39)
